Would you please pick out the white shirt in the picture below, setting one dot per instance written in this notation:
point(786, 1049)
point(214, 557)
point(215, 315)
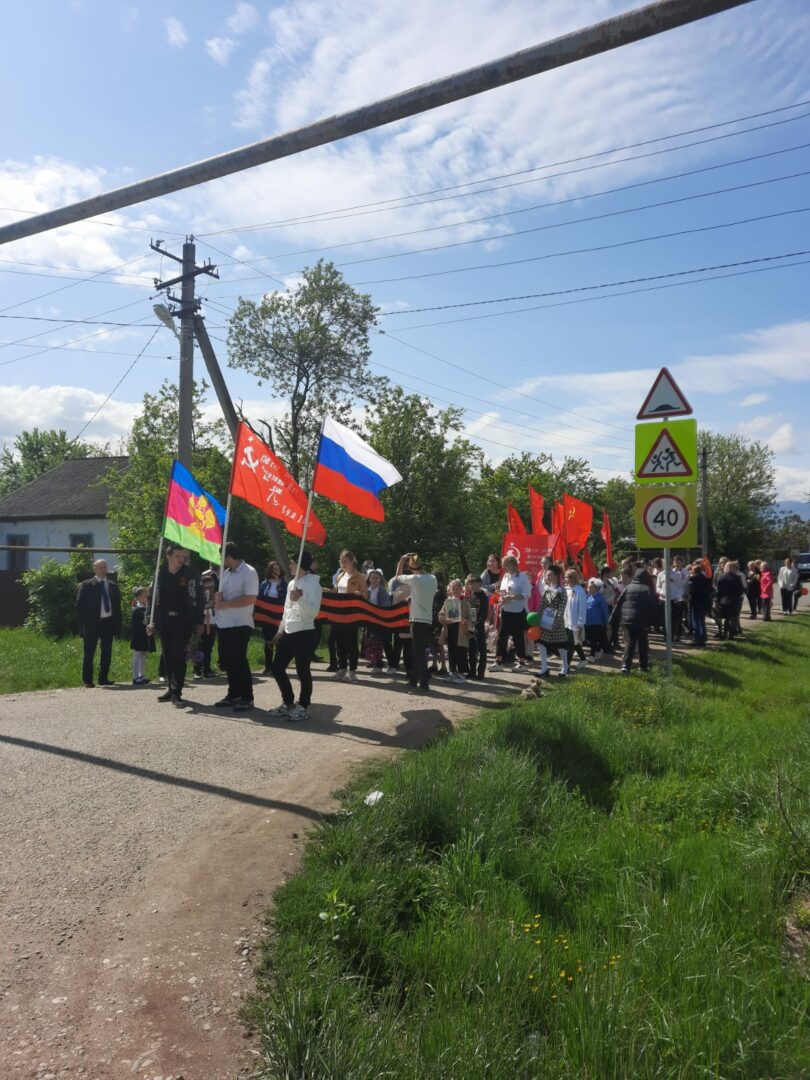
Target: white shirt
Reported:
point(575, 606)
point(423, 590)
point(515, 583)
point(106, 586)
point(300, 614)
point(677, 584)
point(242, 581)
point(788, 577)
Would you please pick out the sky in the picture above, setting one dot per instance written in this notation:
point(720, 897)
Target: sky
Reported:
point(537, 252)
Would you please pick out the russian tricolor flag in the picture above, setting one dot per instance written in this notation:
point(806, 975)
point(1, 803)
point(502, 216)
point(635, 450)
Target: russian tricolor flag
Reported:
point(349, 472)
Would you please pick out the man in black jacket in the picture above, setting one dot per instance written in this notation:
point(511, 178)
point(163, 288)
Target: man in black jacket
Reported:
point(179, 605)
point(637, 613)
point(98, 611)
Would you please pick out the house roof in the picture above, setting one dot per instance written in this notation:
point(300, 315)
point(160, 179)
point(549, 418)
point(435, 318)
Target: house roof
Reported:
point(70, 490)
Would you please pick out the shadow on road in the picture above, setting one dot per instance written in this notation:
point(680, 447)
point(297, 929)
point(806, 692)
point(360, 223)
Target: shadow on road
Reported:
point(160, 777)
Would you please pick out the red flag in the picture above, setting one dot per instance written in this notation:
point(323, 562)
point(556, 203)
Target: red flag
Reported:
point(578, 522)
point(537, 507)
point(558, 527)
point(588, 565)
point(604, 532)
point(514, 524)
point(261, 479)
point(707, 568)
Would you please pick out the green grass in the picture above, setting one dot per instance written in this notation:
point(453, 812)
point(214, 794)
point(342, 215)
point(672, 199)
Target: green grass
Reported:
point(31, 661)
point(593, 885)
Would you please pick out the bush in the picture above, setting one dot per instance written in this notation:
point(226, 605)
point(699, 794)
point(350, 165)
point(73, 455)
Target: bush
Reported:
point(52, 594)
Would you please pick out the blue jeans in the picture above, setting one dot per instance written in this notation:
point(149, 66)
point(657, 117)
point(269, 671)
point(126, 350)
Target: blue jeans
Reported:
point(698, 619)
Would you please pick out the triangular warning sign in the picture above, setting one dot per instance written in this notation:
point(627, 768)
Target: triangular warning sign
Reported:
point(664, 461)
point(664, 399)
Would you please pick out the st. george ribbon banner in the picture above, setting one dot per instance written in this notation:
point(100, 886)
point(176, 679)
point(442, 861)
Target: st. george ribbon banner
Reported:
point(342, 609)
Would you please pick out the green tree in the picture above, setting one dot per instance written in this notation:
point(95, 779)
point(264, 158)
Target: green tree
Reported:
point(429, 511)
point(35, 452)
point(787, 534)
point(311, 345)
point(138, 495)
point(618, 497)
point(52, 594)
point(741, 493)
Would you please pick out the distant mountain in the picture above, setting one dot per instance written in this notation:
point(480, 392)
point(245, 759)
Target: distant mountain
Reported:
point(793, 506)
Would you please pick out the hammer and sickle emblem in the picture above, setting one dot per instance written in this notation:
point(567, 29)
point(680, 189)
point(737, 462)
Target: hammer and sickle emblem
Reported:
point(248, 458)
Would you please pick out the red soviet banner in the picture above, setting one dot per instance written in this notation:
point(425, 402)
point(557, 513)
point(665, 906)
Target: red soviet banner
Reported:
point(261, 479)
point(528, 549)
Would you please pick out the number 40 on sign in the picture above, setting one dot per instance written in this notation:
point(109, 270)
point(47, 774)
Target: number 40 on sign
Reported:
point(666, 516)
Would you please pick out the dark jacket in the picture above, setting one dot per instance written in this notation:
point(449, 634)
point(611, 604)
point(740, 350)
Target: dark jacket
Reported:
point(264, 590)
point(729, 591)
point(636, 602)
point(181, 593)
point(139, 640)
point(700, 592)
point(88, 605)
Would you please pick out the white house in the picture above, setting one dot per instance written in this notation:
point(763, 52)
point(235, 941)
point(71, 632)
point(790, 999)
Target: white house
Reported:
point(65, 507)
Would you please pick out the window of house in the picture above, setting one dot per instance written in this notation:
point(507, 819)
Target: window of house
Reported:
point(84, 540)
point(17, 560)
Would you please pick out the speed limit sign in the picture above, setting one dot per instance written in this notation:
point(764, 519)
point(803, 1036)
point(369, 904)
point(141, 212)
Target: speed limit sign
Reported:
point(666, 517)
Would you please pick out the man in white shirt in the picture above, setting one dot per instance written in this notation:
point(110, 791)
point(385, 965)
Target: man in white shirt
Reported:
point(678, 578)
point(296, 639)
point(233, 605)
point(514, 589)
point(423, 587)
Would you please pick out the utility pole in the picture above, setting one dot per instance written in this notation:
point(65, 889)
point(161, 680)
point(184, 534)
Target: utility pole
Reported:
point(232, 420)
point(704, 502)
point(612, 33)
point(187, 310)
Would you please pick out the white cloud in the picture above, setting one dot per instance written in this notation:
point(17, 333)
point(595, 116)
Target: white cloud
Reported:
point(775, 353)
point(66, 407)
point(176, 34)
point(129, 18)
point(246, 17)
point(753, 399)
point(220, 49)
point(792, 483)
point(782, 440)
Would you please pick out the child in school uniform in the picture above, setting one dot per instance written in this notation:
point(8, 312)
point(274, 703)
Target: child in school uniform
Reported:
point(139, 640)
point(597, 619)
point(479, 602)
point(456, 617)
point(553, 634)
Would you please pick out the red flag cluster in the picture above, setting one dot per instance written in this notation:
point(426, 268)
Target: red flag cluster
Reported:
point(572, 521)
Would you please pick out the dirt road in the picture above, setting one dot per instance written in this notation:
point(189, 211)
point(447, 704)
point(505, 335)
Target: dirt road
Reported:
point(140, 845)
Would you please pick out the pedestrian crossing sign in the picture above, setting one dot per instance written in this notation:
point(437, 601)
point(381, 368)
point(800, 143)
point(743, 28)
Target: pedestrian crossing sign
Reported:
point(666, 453)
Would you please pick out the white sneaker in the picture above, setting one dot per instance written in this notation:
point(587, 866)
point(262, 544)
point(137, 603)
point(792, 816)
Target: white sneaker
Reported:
point(280, 710)
point(597, 657)
point(495, 667)
point(351, 676)
point(298, 712)
point(340, 675)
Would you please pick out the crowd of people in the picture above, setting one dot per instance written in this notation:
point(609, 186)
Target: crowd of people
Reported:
point(452, 626)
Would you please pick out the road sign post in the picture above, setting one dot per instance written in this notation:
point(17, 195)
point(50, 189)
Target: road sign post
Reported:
point(666, 468)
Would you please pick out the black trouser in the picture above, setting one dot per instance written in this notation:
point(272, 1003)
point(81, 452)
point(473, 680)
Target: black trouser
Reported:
point(421, 635)
point(173, 640)
point(457, 654)
point(765, 603)
point(300, 647)
point(796, 596)
point(402, 646)
point(676, 607)
point(636, 635)
point(596, 636)
point(268, 633)
point(332, 649)
point(209, 636)
point(574, 647)
point(102, 633)
point(347, 651)
point(477, 650)
point(752, 592)
point(787, 601)
point(513, 624)
point(233, 647)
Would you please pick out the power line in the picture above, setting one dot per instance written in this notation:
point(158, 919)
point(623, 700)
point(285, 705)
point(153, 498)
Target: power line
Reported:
point(120, 225)
point(483, 378)
point(603, 296)
point(72, 284)
point(39, 333)
point(587, 288)
point(324, 216)
point(107, 398)
point(587, 250)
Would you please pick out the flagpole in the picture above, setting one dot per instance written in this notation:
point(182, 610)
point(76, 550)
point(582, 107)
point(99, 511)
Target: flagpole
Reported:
point(224, 541)
point(309, 501)
point(155, 581)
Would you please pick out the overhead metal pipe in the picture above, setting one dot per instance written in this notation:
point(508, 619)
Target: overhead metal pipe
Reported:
point(644, 22)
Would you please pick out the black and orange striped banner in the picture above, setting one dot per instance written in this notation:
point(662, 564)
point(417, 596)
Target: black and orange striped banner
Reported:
point(341, 608)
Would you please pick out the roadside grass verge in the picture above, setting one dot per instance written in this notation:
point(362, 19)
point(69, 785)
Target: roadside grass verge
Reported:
point(591, 885)
point(32, 661)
